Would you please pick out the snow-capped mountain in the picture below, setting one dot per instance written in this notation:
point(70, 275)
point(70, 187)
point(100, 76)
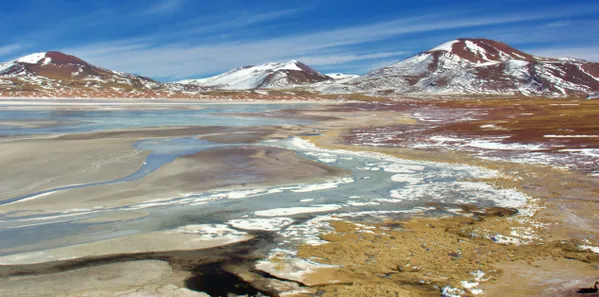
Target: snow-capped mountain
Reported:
point(265, 76)
point(462, 66)
point(59, 66)
point(57, 74)
point(342, 77)
point(477, 66)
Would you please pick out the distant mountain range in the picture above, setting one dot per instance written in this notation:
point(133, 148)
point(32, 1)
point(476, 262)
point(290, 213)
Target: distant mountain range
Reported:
point(462, 66)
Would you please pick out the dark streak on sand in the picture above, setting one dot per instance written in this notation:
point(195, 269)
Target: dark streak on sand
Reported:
point(207, 266)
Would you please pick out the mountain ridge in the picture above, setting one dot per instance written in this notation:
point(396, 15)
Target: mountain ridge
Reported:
point(477, 66)
point(463, 66)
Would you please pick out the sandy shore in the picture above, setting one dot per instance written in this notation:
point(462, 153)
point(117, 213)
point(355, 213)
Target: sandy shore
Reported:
point(185, 238)
point(91, 102)
point(106, 280)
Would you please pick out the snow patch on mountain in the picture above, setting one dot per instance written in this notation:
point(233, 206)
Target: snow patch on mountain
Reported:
point(32, 58)
point(475, 66)
point(447, 46)
point(269, 75)
point(341, 77)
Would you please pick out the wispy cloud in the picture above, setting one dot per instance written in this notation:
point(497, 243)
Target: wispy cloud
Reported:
point(192, 57)
point(559, 24)
point(341, 58)
point(11, 48)
point(226, 22)
point(164, 6)
point(367, 66)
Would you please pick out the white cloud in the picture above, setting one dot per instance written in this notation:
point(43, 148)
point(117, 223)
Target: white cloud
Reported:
point(164, 6)
point(559, 24)
point(191, 58)
point(590, 53)
point(10, 48)
point(226, 22)
point(339, 59)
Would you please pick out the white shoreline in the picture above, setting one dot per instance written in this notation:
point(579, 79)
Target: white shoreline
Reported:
point(158, 101)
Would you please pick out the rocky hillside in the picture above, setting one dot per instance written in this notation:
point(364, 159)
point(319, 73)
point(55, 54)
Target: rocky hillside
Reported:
point(55, 74)
point(477, 66)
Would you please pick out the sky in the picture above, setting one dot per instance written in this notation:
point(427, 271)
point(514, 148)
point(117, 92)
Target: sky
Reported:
point(170, 40)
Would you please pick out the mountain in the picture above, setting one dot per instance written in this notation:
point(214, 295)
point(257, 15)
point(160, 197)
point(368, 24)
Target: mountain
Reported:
point(70, 69)
point(462, 66)
point(56, 74)
point(477, 66)
point(265, 76)
point(341, 77)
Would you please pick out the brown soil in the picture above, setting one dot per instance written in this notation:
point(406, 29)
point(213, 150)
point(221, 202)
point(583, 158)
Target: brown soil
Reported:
point(455, 247)
point(423, 255)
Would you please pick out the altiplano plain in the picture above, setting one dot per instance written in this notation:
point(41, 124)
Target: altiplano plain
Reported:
point(234, 148)
point(335, 199)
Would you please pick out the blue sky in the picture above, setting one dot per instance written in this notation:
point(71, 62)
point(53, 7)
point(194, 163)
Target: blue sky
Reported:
point(175, 39)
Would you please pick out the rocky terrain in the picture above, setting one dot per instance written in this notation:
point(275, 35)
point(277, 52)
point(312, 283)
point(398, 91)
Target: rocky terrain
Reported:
point(55, 74)
point(477, 66)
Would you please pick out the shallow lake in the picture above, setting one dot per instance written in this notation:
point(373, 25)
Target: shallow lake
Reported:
point(376, 184)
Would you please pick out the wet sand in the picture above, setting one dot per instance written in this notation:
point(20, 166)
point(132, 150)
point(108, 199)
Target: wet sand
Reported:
point(98, 280)
point(125, 216)
point(170, 273)
point(34, 123)
point(34, 165)
point(181, 239)
point(221, 168)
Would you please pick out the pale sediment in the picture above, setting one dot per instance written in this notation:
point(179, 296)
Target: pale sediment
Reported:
point(184, 273)
point(221, 168)
point(34, 165)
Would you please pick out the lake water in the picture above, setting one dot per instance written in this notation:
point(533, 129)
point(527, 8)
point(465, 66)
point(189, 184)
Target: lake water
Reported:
point(378, 184)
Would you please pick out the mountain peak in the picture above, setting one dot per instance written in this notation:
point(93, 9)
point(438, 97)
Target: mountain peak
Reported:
point(478, 66)
point(51, 57)
point(61, 58)
point(43, 69)
point(481, 50)
point(267, 75)
point(34, 58)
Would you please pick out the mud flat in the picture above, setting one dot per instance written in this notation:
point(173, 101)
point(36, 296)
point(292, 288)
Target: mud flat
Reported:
point(32, 124)
point(35, 163)
point(183, 273)
point(106, 280)
point(220, 168)
point(190, 237)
